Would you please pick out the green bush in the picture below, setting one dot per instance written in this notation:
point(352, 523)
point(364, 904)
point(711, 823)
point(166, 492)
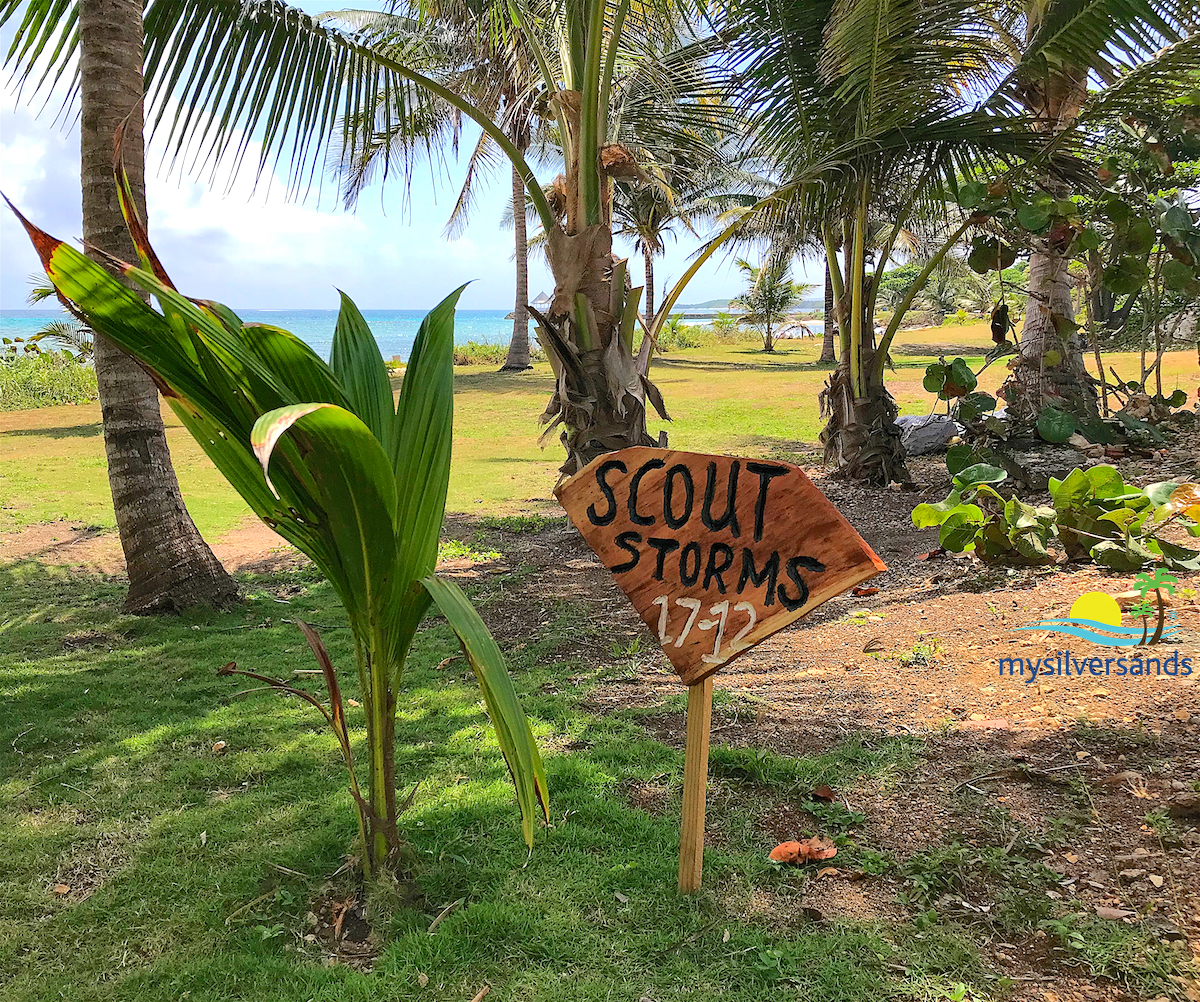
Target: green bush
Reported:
point(479, 353)
point(44, 379)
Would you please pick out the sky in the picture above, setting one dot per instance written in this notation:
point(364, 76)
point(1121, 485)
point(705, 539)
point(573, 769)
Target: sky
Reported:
point(250, 247)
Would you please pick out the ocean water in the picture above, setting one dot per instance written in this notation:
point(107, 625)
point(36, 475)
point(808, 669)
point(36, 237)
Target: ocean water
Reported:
point(394, 330)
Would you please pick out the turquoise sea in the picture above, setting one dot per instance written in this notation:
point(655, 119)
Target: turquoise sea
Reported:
point(395, 330)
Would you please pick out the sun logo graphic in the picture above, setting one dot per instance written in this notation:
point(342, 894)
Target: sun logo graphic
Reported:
point(1097, 617)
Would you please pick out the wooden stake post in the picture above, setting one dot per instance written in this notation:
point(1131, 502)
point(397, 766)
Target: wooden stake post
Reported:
point(716, 553)
point(695, 785)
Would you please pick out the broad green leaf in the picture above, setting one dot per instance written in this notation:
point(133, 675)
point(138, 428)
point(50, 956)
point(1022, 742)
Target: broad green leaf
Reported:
point(1179, 558)
point(971, 194)
point(1105, 481)
point(1159, 494)
point(298, 366)
point(1118, 557)
point(960, 380)
point(421, 453)
point(1033, 218)
point(990, 254)
point(959, 531)
point(1176, 275)
point(974, 405)
point(354, 490)
point(1055, 425)
point(512, 728)
point(927, 515)
point(1139, 237)
point(358, 365)
point(960, 456)
point(1141, 427)
point(980, 473)
point(935, 377)
point(1125, 275)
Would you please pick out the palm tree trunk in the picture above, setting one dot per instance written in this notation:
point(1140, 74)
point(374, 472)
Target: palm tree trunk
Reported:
point(169, 565)
point(827, 349)
point(1054, 103)
point(1050, 369)
point(648, 258)
point(518, 347)
point(861, 437)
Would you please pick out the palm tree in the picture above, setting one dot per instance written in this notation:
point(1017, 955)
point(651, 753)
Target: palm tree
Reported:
point(455, 46)
point(868, 109)
point(828, 353)
point(771, 293)
point(677, 194)
point(169, 565)
point(1071, 63)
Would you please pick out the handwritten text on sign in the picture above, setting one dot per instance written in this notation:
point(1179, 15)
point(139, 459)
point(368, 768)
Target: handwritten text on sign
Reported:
point(716, 553)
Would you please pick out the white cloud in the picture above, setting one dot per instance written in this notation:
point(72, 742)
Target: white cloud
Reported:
point(250, 247)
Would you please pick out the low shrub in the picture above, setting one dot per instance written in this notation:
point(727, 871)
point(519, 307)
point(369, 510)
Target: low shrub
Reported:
point(44, 379)
point(480, 353)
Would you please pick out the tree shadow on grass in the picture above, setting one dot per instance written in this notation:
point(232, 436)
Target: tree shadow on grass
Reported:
point(171, 846)
point(74, 431)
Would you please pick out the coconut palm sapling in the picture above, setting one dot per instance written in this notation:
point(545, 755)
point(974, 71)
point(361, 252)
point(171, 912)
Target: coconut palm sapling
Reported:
point(323, 457)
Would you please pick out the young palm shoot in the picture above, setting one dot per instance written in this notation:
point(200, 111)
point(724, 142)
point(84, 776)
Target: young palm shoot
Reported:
point(323, 457)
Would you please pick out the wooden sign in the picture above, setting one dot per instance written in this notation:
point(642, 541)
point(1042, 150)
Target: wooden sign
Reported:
point(716, 553)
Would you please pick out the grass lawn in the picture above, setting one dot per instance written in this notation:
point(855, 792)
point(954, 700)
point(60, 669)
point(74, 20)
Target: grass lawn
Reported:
point(191, 873)
point(723, 399)
point(143, 860)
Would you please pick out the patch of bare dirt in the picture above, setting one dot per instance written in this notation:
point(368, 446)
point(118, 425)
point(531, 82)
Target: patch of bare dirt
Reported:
point(251, 547)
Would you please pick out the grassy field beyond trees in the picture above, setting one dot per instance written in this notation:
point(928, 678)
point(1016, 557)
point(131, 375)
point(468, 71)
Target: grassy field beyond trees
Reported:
point(52, 465)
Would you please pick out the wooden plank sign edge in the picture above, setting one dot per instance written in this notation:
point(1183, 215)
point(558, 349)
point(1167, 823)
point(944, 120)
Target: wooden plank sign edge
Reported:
point(621, 499)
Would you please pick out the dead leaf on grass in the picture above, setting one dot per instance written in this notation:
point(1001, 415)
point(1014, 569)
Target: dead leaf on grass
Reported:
point(423, 979)
point(1113, 914)
point(825, 793)
point(219, 747)
point(803, 851)
point(828, 871)
point(62, 888)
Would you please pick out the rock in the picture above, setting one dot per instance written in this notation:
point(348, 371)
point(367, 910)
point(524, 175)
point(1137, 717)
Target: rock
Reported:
point(1139, 406)
point(1077, 441)
point(1031, 463)
point(1129, 876)
point(930, 433)
point(1185, 807)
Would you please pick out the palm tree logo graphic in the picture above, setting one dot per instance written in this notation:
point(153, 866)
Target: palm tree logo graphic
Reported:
point(1158, 581)
point(1096, 616)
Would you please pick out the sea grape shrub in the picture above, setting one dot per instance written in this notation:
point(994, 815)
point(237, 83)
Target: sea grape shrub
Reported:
point(1096, 516)
point(976, 517)
point(1102, 518)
